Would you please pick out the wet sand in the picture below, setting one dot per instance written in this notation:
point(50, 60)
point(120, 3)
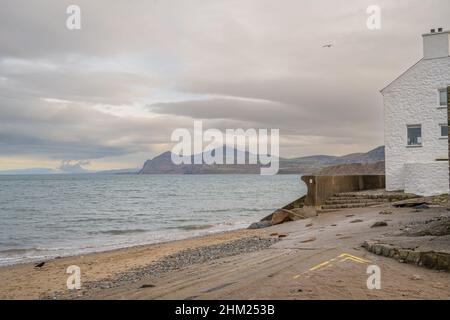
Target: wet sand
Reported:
point(24, 281)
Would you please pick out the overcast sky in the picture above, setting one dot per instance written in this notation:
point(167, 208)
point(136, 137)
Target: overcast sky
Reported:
point(110, 95)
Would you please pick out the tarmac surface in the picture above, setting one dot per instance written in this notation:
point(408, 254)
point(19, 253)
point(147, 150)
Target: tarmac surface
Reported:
point(320, 258)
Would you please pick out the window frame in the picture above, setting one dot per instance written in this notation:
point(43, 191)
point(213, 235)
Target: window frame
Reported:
point(439, 97)
point(412, 126)
point(440, 127)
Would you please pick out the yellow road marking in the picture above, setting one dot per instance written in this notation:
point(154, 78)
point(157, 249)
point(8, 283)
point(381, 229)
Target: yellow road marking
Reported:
point(341, 258)
point(321, 264)
point(353, 257)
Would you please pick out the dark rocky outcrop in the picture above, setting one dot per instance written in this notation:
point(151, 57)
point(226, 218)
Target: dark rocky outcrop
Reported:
point(281, 216)
point(260, 225)
point(439, 226)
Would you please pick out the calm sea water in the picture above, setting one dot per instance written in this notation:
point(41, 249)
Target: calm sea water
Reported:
point(45, 216)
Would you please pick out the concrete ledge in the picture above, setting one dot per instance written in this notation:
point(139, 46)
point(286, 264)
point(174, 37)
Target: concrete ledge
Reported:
point(432, 259)
point(320, 188)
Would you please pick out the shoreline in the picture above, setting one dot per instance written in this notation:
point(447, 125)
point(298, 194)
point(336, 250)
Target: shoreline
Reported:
point(25, 281)
point(117, 247)
point(312, 261)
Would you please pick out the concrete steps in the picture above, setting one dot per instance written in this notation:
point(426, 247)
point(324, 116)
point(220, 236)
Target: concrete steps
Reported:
point(346, 200)
point(349, 205)
point(392, 196)
point(363, 197)
point(353, 201)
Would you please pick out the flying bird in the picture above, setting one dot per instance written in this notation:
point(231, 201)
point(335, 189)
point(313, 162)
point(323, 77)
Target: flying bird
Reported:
point(39, 265)
point(327, 45)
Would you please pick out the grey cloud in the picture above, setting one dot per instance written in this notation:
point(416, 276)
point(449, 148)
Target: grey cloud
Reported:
point(75, 131)
point(270, 53)
point(70, 82)
point(307, 118)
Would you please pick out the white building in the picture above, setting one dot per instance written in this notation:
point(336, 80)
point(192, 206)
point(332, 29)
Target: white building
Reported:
point(415, 121)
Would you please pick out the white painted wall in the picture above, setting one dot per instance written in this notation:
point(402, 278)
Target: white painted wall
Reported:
point(414, 99)
point(426, 179)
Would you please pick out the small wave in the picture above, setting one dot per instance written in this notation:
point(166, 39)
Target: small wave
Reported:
point(228, 223)
point(192, 227)
point(179, 220)
point(119, 232)
point(235, 210)
point(256, 209)
point(213, 210)
point(196, 227)
point(92, 220)
point(20, 250)
point(170, 194)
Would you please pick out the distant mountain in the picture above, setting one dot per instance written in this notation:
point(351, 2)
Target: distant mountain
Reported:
point(163, 164)
point(311, 164)
point(372, 156)
point(353, 169)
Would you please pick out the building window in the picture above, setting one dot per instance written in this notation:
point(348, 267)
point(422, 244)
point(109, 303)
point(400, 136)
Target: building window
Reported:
point(414, 135)
point(444, 130)
point(443, 97)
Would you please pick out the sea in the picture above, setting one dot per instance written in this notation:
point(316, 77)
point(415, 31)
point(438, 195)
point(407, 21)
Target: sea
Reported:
point(49, 216)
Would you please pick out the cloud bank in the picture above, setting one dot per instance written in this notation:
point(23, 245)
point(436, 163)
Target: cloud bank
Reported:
point(113, 91)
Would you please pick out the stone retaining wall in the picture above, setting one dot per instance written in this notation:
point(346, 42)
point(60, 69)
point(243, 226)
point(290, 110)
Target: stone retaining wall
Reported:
point(429, 259)
point(320, 188)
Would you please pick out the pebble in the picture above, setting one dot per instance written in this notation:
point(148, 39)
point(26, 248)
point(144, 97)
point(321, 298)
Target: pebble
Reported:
point(379, 224)
point(178, 261)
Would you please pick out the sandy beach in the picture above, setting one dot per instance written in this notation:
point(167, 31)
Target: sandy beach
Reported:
point(24, 281)
point(317, 258)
